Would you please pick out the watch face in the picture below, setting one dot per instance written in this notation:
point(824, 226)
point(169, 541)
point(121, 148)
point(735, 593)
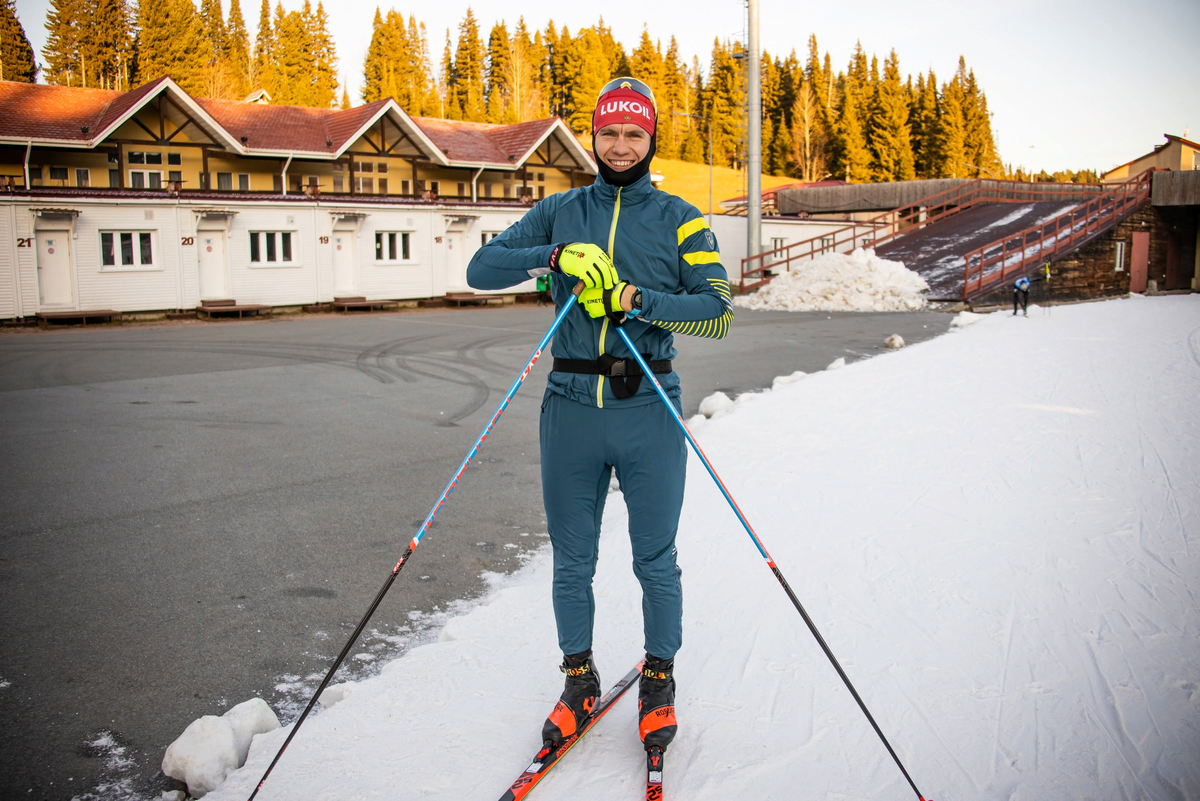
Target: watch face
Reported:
point(637, 299)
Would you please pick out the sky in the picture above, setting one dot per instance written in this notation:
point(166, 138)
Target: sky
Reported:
point(1071, 84)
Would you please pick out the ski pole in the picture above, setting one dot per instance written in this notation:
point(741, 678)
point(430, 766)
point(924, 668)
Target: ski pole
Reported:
point(416, 540)
point(770, 562)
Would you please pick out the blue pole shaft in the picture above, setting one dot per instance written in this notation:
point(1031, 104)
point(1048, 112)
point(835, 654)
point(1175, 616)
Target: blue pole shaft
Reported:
point(770, 562)
point(416, 540)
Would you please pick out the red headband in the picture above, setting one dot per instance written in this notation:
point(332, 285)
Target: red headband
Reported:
point(621, 106)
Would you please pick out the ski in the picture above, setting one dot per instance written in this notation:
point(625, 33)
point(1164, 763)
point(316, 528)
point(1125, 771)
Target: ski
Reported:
point(547, 758)
point(654, 768)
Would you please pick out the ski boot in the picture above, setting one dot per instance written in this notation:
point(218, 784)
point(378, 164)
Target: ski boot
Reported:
point(656, 703)
point(578, 698)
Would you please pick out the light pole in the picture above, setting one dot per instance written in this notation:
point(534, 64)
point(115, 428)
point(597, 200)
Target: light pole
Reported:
point(710, 160)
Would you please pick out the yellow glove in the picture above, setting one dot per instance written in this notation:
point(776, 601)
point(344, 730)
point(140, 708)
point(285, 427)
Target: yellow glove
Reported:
point(592, 301)
point(587, 262)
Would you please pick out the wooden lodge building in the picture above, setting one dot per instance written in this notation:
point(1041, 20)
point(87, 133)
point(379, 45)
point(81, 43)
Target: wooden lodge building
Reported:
point(152, 200)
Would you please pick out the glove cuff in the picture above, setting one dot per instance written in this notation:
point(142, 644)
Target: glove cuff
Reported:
point(554, 254)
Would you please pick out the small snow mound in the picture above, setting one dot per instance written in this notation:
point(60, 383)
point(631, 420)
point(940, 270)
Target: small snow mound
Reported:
point(212, 747)
point(173, 795)
point(335, 693)
point(695, 421)
point(716, 402)
point(894, 342)
point(965, 318)
point(858, 281)
point(838, 364)
point(780, 380)
point(203, 755)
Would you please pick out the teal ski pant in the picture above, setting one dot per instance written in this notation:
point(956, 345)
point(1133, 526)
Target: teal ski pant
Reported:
point(581, 447)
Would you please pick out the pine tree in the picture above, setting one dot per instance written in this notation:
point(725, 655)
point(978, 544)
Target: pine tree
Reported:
point(172, 43)
point(468, 69)
point(62, 43)
point(499, 57)
point(618, 62)
point(978, 143)
point(451, 110)
point(324, 58)
point(853, 157)
point(16, 54)
point(724, 103)
point(924, 117)
point(809, 139)
point(585, 71)
point(263, 72)
point(237, 50)
point(521, 77)
point(891, 144)
point(951, 132)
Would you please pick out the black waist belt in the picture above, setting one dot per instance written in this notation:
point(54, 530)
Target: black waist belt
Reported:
point(626, 375)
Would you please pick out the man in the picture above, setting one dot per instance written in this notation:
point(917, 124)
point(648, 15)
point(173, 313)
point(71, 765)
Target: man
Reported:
point(649, 260)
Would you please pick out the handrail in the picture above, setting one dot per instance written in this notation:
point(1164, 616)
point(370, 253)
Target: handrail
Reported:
point(1044, 241)
point(913, 217)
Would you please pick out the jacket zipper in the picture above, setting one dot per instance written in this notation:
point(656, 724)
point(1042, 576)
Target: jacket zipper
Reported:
point(612, 235)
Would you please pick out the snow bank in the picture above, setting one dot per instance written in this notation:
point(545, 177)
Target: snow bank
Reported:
point(965, 318)
point(1004, 562)
point(858, 281)
point(212, 747)
point(716, 402)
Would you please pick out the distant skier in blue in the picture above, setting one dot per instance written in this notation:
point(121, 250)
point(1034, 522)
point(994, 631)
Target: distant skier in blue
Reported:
point(649, 258)
point(1021, 295)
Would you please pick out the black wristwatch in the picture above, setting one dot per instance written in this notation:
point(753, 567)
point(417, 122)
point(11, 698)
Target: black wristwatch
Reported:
point(636, 300)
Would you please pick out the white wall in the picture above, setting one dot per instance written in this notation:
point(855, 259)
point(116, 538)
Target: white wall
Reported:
point(173, 280)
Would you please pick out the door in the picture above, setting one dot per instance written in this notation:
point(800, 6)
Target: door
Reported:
point(56, 284)
point(345, 266)
point(214, 270)
point(456, 263)
point(1139, 266)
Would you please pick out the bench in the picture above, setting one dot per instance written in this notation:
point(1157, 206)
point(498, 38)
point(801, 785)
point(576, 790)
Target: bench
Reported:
point(459, 298)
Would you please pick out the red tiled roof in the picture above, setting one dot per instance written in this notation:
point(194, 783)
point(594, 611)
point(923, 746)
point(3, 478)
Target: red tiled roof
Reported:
point(52, 112)
point(126, 101)
point(483, 141)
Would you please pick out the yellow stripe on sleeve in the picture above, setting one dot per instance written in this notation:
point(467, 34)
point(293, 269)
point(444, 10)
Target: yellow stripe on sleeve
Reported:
point(690, 227)
point(703, 257)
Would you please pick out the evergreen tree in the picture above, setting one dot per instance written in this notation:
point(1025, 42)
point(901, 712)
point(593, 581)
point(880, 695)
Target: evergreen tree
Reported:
point(468, 69)
point(423, 97)
point(16, 54)
point(586, 68)
point(853, 163)
point(451, 110)
point(237, 50)
point(618, 63)
point(293, 64)
point(324, 58)
point(62, 42)
point(521, 77)
point(951, 132)
point(263, 73)
point(345, 104)
point(977, 135)
point(891, 144)
point(724, 102)
point(924, 117)
point(172, 43)
point(499, 66)
point(809, 138)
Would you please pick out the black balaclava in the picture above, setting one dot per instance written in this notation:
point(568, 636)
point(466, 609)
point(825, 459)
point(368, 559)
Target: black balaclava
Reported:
point(630, 176)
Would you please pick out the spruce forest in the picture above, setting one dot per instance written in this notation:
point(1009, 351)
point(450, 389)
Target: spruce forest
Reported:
point(865, 122)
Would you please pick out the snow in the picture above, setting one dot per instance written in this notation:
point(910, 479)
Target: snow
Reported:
point(965, 318)
point(894, 342)
point(211, 747)
point(858, 281)
point(837, 364)
point(716, 402)
point(1000, 558)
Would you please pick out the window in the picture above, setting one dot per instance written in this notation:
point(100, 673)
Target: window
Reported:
point(1119, 265)
point(175, 159)
point(112, 158)
point(137, 158)
point(225, 181)
point(382, 166)
point(364, 185)
point(541, 176)
point(778, 242)
point(363, 166)
point(339, 183)
point(243, 182)
point(541, 193)
point(383, 186)
point(313, 180)
point(154, 158)
point(435, 187)
point(175, 175)
point(488, 236)
point(145, 179)
point(270, 247)
point(462, 189)
point(404, 187)
point(391, 246)
point(127, 249)
point(508, 190)
point(114, 179)
point(83, 177)
point(58, 174)
point(337, 166)
point(487, 190)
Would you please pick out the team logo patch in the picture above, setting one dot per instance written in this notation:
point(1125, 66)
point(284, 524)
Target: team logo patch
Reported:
point(712, 240)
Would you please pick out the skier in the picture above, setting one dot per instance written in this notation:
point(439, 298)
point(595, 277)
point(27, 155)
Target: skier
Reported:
point(648, 260)
point(1021, 295)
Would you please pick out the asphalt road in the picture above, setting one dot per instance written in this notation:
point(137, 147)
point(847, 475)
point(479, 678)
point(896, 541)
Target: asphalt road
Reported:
point(197, 514)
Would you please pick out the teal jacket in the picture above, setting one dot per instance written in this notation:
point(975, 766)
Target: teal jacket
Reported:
point(659, 243)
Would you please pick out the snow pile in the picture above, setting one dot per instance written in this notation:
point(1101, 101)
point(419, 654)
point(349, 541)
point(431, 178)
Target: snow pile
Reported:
point(894, 342)
point(716, 402)
point(212, 747)
point(1004, 562)
point(858, 281)
point(837, 364)
point(965, 318)
point(780, 380)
